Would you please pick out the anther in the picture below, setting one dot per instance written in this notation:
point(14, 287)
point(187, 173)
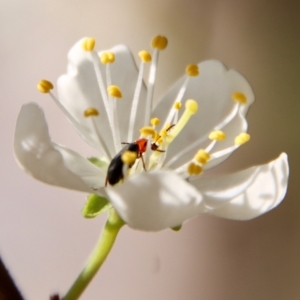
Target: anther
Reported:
point(194, 169)
point(202, 157)
point(217, 135)
point(44, 86)
point(177, 105)
point(129, 157)
point(88, 44)
point(192, 70)
point(107, 57)
point(239, 97)
point(145, 56)
point(147, 130)
point(242, 138)
point(114, 91)
point(159, 42)
point(154, 121)
point(91, 112)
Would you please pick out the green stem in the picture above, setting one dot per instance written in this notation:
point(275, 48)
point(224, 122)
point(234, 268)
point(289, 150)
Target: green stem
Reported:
point(105, 243)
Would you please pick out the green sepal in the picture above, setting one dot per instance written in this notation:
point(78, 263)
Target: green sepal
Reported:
point(95, 205)
point(176, 228)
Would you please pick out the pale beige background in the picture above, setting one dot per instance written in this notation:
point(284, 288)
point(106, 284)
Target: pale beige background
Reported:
point(43, 238)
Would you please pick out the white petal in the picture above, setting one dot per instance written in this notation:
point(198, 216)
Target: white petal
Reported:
point(246, 194)
point(155, 201)
point(79, 90)
point(49, 162)
point(212, 89)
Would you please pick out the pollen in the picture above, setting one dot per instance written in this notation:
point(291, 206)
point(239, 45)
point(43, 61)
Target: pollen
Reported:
point(129, 157)
point(194, 169)
point(91, 112)
point(177, 105)
point(145, 56)
point(159, 42)
point(155, 121)
point(192, 70)
point(147, 130)
point(239, 97)
point(114, 91)
point(88, 44)
point(202, 157)
point(191, 106)
point(44, 86)
point(217, 135)
point(242, 138)
point(107, 57)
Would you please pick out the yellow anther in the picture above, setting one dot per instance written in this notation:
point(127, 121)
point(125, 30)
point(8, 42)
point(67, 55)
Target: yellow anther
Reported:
point(217, 135)
point(107, 57)
point(202, 157)
point(88, 44)
point(239, 97)
point(192, 70)
point(177, 105)
point(159, 42)
point(129, 157)
point(44, 86)
point(114, 91)
point(91, 112)
point(242, 138)
point(194, 169)
point(145, 56)
point(155, 121)
point(191, 106)
point(147, 130)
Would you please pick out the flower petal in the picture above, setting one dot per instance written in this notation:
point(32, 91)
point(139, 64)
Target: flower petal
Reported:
point(48, 162)
point(213, 90)
point(79, 89)
point(246, 194)
point(155, 201)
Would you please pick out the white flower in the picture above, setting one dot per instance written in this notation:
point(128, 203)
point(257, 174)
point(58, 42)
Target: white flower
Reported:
point(175, 187)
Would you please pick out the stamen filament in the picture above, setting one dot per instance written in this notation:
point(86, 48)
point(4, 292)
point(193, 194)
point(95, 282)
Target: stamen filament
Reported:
point(179, 97)
point(116, 128)
point(135, 101)
point(151, 82)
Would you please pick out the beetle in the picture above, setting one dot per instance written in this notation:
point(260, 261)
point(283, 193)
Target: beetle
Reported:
point(115, 168)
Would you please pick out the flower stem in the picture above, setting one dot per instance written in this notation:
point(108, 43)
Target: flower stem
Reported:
point(113, 224)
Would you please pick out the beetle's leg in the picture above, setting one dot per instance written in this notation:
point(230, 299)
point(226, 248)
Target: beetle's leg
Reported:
point(143, 162)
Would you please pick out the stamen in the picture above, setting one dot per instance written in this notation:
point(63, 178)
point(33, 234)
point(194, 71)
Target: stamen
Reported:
point(202, 157)
point(88, 44)
point(145, 57)
point(192, 70)
point(114, 91)
point(44, 86)
point(242, 138)
point(154, 122)
point(217, 135)
point(194, 169)
point(107, 57)
point(191, 107)
point(239, 97)
point(129, 157)
point(177, 105)
point(147, 131)
point(93, 112)
point(158, 43)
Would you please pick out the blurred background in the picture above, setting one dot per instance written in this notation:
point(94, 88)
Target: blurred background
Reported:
point(44, 240)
